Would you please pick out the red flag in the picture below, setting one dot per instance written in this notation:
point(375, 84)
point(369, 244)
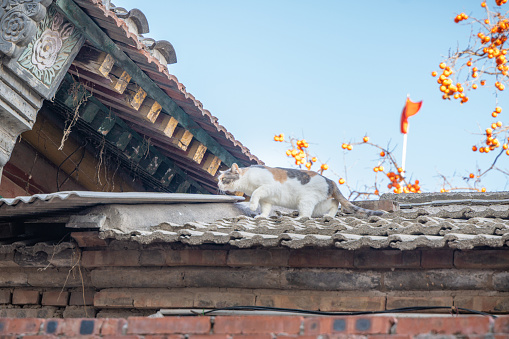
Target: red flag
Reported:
point(411, 108)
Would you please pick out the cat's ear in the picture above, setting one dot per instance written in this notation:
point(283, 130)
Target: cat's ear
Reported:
point(235, 168)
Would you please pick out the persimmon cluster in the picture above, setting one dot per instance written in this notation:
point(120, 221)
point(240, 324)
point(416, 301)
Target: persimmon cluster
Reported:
point(491, 140)
point(489, 51)
point(446, 84)
point(299, 153)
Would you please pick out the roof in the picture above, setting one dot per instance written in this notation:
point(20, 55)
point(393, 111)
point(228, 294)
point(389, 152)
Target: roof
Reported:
point(428, 223)
point(146, 67)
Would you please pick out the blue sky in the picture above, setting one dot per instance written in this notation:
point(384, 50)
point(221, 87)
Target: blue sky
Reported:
point(332, 72)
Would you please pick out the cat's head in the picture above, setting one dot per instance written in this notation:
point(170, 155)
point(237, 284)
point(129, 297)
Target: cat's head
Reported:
point(227, 180)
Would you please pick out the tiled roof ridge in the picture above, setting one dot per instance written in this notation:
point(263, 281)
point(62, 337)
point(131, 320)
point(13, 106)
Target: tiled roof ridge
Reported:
point(344, 232)
point(163, 69)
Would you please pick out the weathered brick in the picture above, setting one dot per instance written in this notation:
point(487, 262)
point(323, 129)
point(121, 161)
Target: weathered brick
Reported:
point(196, 258)
point(330, 280)
point(501, 281)
point(5, 296)
point(348, 325)
point(258, 257)
point(387, 259)
point(153, 258)
point(57, 277)
point(490, 304)
point(210, 336)
point(231, 277)
point(437, 259)
point(257, 324)
point(25, 297)
point(65, 258)
point(401, 302)
point(12, 277)
point(80, 298)
point(88, 239)
point(223, 299)
point(436, 280)
point(55, 298)
point(143, 298)
point(352, 304)
point(110, 258)
point(483, 259)
point(323, 258)
point(137, 277)
point(299, 300)
point(170, 336)
point(170, 325)
point(465, 325)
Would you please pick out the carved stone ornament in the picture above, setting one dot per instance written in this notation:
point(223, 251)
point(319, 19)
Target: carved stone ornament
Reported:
point(18, 23)
point(48, 56)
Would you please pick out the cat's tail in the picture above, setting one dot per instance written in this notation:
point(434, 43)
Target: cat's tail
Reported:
point(349, 207)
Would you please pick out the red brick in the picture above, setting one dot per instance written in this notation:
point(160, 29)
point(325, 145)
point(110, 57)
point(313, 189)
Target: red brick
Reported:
point(401, 302)
point(110, 258)
point(348, 325)
point(251, 336)
point(54, 298)
point(170, 325)
point(40, 336)
point(296, 336)
point(444, 325)
point(208, 336)
point(324, 258)
point(171, 336)
point(484, 259)
point(258, 257)
point(122, 337)
point(88, 239)
point(73, 327)
point(79, 298)
point(257, 324)
point(501, 324)
point(437, 259)
point(387, 259)
point(5, 296)
point(113, 326)
point(25, 297)
point(27, 326)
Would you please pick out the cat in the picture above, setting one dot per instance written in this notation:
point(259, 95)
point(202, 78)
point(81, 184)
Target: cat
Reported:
point(309, 192)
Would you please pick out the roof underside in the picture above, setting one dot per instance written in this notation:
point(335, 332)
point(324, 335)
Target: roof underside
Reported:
point(167, 144)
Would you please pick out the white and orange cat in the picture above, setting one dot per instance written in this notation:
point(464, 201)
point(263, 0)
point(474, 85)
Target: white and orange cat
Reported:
point(310, 193)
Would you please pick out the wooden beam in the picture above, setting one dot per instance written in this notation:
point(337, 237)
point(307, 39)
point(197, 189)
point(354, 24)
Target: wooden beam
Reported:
point(196, 151)
point(150, 110)
point(167, 125)
point(136, 97)
point(211, 164)
point(95, 61)
point(182, 138)
point(120, 79)
point(101, 41)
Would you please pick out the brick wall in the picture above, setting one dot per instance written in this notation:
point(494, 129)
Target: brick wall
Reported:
point(362, 327)
point(122, 278)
